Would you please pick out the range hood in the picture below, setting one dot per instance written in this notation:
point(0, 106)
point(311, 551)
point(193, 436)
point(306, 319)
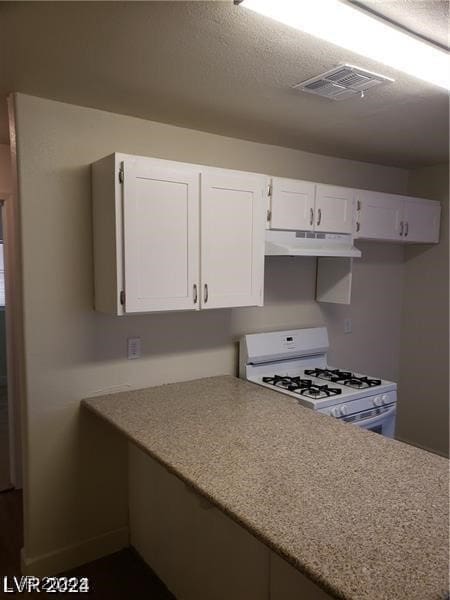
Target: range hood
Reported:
point(306, 243)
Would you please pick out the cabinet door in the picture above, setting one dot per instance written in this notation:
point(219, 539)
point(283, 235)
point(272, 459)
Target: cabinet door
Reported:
point(379, 216)
point(292, 204)
point(160, 236)
point(197, 551)
point(287, 583)
point(334, 209)
point(421, 220)
point(232, 239)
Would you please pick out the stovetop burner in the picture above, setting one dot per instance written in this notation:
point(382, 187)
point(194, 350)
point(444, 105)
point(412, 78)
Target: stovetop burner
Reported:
point(303, 387)
point(344, 378)
point(288, 383)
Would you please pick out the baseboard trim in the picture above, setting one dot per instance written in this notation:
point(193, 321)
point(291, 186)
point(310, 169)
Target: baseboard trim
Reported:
point(75, 555)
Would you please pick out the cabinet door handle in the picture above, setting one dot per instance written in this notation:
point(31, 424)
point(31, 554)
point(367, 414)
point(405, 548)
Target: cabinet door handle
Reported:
point(195, 293)
point(205, 294)
point(319, 216)
point(358, 226)
point(406, 228)
point(401, 228)
point(311, 216)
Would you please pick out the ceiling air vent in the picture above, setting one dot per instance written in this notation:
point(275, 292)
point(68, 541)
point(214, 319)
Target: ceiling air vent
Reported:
point(342, 82)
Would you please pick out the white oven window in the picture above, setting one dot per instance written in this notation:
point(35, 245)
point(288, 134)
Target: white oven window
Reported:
point(382, 422)
point(377, 429)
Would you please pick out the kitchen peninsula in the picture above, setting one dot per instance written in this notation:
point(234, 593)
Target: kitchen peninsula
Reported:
point(338, 511)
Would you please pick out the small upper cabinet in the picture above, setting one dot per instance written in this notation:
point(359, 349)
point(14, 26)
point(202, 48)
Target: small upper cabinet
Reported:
point(421, 220)
point(334, 209)
point(391, 217)
point(175, 236)
point(378, 216)
point(305, 206)
point(292, 204)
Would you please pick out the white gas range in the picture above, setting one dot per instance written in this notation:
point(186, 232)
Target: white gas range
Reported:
point(295, 363)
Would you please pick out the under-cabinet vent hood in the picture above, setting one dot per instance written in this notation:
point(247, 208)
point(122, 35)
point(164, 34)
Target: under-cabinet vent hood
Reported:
point(305, 243)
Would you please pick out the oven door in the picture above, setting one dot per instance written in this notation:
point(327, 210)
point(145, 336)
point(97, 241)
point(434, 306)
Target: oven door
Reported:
point(383, 423)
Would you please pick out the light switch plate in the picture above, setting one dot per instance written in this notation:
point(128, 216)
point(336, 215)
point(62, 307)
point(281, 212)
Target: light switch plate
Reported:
point(347, 325)
point(134, 348)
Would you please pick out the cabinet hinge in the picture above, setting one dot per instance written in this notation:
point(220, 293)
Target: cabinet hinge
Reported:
point(121, 175)
point(269, 191)
point(269, 215)
point(122, 298)
point(358, 205)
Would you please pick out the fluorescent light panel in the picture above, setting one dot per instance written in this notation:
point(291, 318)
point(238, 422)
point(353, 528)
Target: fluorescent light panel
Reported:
point(359, 32)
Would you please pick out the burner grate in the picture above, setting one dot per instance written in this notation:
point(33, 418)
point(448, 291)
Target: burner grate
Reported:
point(303, 387)
point(346, 378)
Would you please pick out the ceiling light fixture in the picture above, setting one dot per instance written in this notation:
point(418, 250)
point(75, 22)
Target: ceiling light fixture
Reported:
point(355, 30)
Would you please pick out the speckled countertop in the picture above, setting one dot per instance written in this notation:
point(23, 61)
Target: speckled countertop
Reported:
point(363, 516)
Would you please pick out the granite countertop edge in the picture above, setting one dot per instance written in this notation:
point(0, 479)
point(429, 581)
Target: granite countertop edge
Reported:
point(310, 574)
point(314, 575)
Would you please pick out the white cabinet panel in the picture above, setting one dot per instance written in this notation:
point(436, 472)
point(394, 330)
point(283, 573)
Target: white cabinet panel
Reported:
point(232, 563)
point(379, 216)
point(392, 217)
point(160, 233)
point(197, 551)
point(161, 245)
point(232, 239)
point(334, 280)
point(287, 583)
point(334, 209)
point(163, 523)
point(292, 204)
point(421, 220)
point(306, 206)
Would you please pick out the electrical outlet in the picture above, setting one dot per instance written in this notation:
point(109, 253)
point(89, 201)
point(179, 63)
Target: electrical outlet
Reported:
point(133, 348)
point(347, 325)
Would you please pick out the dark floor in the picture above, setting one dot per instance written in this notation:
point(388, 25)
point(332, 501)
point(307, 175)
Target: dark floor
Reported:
point(11, 529)
point(123, 575)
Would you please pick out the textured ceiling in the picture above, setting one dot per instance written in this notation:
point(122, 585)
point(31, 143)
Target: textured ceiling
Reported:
point(217, 67)
point(427, 18)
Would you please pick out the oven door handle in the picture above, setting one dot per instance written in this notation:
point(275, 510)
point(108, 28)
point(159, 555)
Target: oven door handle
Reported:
point(376, 420)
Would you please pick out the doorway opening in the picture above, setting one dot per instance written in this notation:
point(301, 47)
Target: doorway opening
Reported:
point(5, 437)
point(11, 366)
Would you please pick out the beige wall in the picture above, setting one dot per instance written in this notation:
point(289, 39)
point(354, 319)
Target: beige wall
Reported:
point(424, 374)
point(5, 477)
point(5, 170)
point(72, 352)
point(374, 345)
point(5, 190)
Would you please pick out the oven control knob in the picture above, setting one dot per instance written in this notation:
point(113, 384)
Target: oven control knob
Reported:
point(377, 401)
point(344, 410)
point(336, 411)
point(384, 399)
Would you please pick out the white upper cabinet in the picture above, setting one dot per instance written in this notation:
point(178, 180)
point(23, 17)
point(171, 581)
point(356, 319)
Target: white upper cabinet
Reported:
point(334, 209)
point(378, 215)
point(392, 217)
point(306, 206)
point(421, 220)
point(160, 236)
point(232, 238)
point(163, 241)
point(292, 206)
point(178, 236)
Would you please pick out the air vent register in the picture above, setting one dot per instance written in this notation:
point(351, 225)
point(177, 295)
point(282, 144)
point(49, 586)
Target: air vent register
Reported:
point(342, 82)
